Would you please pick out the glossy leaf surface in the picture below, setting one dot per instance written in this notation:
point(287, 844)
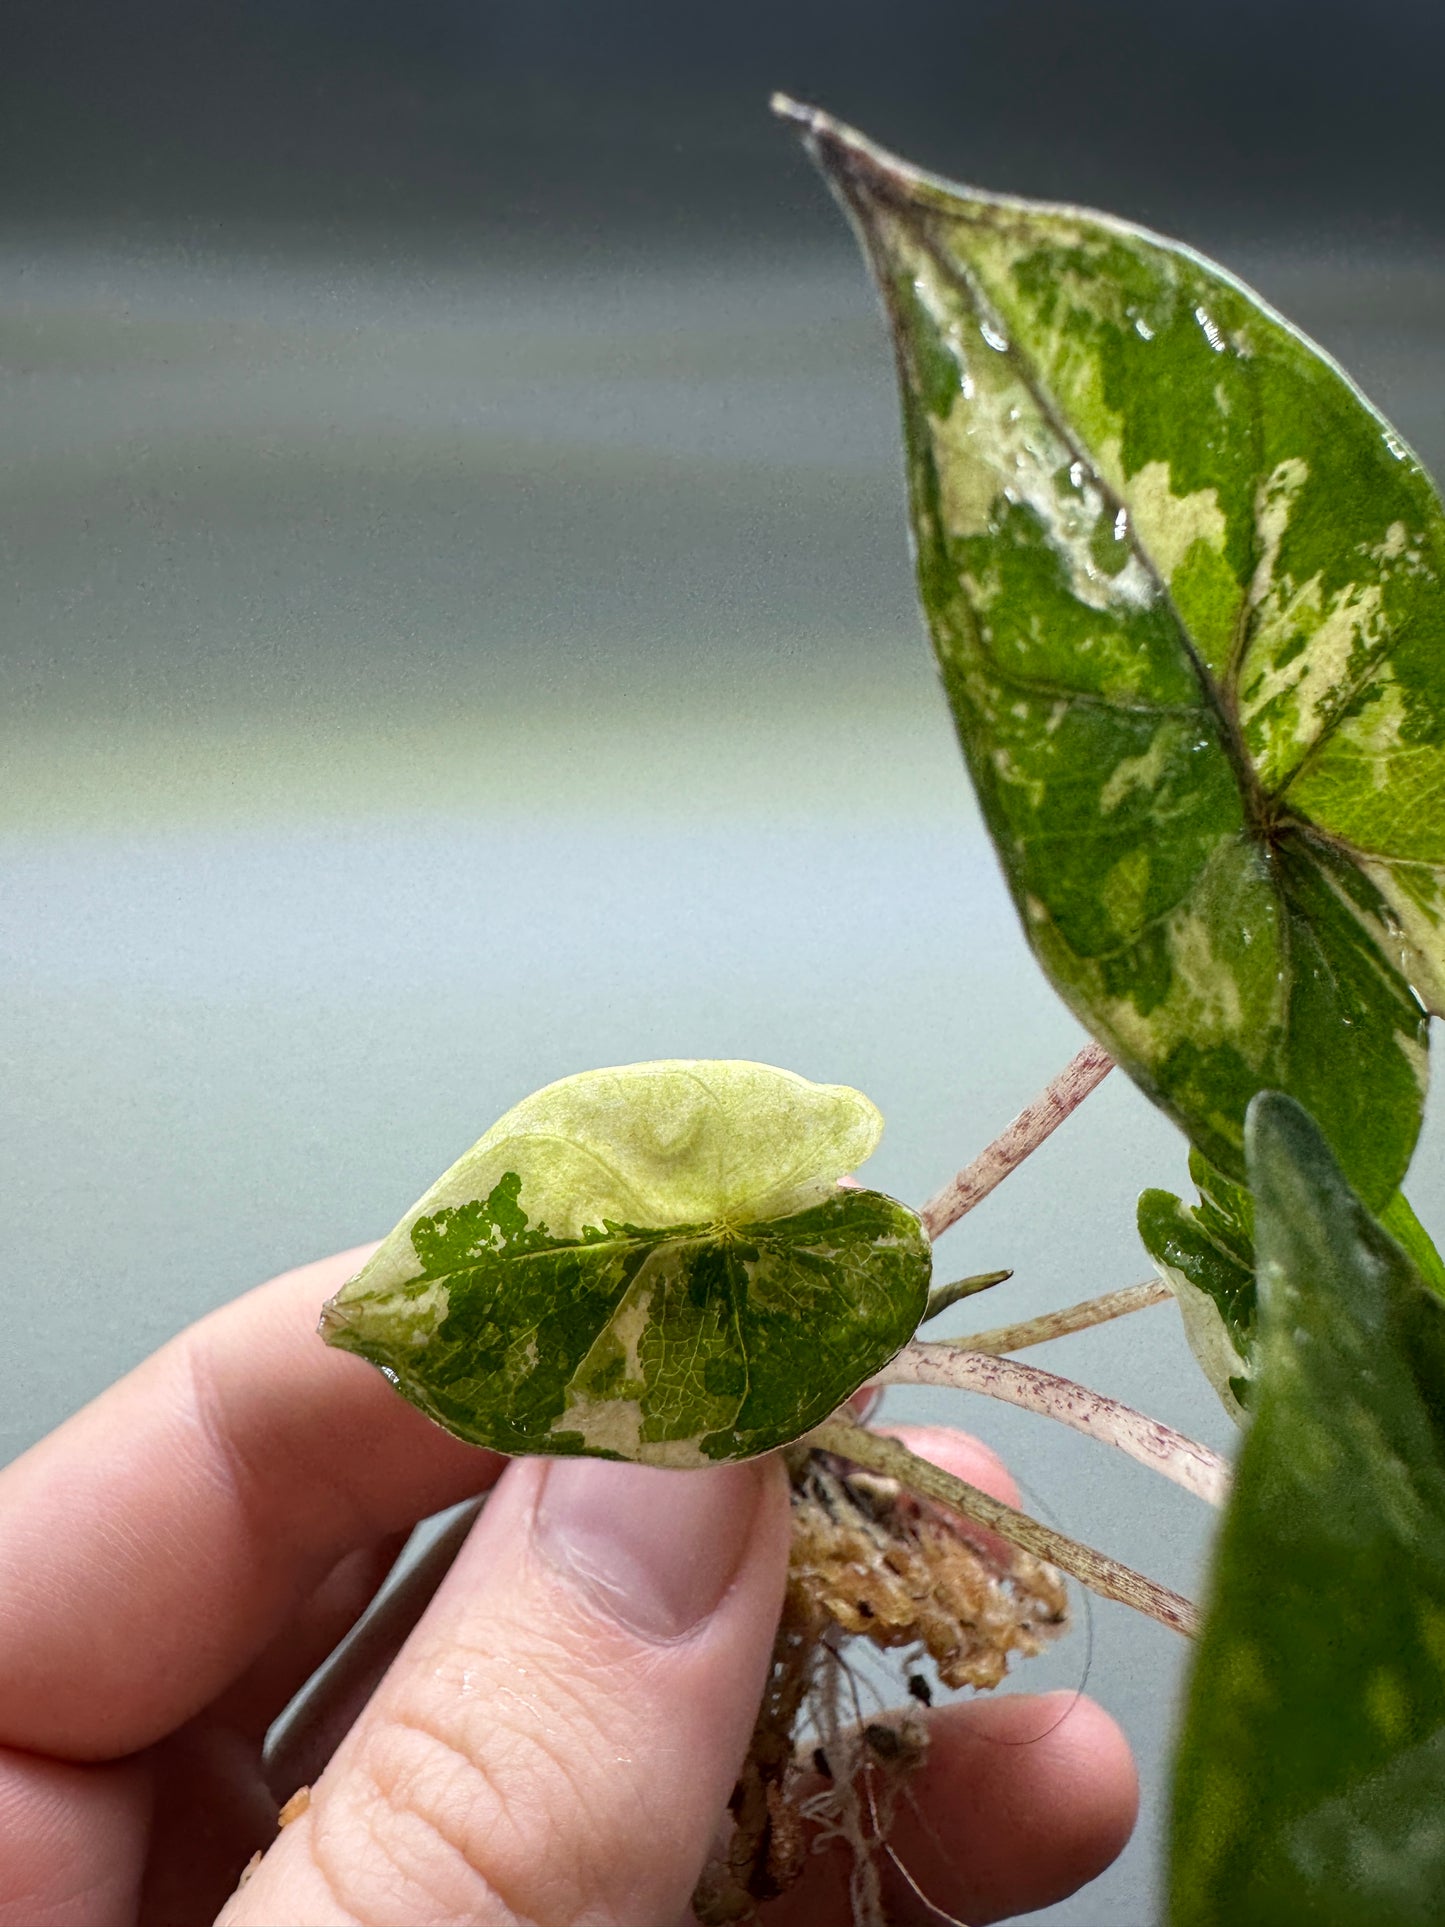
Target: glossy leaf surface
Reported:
point(1185, 590)
point(1310, 1784)
point(655, 1263)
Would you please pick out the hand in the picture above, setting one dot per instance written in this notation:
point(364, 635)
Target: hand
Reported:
point(556, 1740)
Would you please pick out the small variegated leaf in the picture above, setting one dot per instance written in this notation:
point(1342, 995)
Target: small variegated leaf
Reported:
point(1310, 1780)
point(1187, 593)
point(655, 1262)
point(1205, 1254)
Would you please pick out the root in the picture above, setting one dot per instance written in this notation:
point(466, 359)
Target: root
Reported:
point(870, 1562)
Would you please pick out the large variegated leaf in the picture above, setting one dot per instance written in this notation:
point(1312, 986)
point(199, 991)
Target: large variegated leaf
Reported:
point(1185, 589)
point(654, 1263)
point(1310, 1785)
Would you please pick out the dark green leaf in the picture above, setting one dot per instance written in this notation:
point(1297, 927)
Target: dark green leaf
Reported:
point(1311, 1778)
point(1185, 589)
point(653, 1263)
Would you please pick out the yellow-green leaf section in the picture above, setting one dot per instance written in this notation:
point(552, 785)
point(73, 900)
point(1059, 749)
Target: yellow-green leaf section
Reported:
point(1185, 591)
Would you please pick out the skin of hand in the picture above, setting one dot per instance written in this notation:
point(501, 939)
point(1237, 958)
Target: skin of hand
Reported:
point(555, 1741)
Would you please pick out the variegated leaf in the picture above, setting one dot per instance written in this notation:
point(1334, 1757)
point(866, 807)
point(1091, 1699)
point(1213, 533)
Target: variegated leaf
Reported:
point(655, 1263)
point(1185, 590)
point(1310, 1780)
point(1205, 1253)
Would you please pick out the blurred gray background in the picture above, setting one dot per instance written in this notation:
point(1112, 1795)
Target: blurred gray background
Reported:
point(457, 626)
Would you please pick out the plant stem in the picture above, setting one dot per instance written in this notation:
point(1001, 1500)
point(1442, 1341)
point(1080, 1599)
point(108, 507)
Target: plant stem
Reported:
point(1196, 1467)
point(1059, 1324)
point(1096, 1570)
point(1027, 1132)
point(942, 1296)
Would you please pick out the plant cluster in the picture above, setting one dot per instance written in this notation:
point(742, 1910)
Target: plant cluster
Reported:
point(1186, 590)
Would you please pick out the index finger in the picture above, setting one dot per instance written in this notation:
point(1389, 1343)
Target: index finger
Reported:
point(159, 1539)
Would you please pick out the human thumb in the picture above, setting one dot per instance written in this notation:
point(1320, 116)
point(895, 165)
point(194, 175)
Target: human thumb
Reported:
point(557, 1740)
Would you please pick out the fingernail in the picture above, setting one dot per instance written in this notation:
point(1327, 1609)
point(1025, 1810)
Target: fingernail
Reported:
point(655, 1550)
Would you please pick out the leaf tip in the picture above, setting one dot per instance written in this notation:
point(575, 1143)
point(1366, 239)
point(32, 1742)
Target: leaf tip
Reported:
point(854, 166)
point(1269, 1114)
point(335, 1324)
point(786, 108)
point(1279, 1133)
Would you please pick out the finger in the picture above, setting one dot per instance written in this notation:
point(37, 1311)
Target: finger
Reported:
point(253, 1703)
point(76, 1835)
point(1029, 1798)
point(156, 1543)
point(317, 1725)
point(561, 1733)
point(1021, 1802)
point(75, 1841)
